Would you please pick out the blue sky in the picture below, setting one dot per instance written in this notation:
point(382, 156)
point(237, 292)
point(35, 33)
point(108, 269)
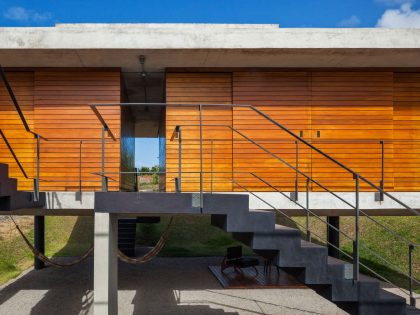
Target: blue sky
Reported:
point(303, 13)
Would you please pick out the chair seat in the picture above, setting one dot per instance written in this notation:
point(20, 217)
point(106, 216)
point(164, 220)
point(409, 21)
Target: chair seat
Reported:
point(245, 262)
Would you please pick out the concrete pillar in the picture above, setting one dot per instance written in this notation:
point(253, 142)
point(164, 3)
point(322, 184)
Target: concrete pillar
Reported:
point(39, 239)
point(105, 282)
point(333, 237)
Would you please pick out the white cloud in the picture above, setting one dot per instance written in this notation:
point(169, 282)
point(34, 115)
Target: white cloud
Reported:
point(350, 22)
point(404, 17)
point(23, 15)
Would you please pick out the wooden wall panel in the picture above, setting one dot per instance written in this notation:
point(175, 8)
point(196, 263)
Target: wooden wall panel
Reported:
point(285, 97)
point(351, 113)
point(21, 141)
point(407, 131)
point(62, 114)
point(199, 88)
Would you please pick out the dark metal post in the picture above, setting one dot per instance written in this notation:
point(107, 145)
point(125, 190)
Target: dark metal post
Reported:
point(201, 157)
point(297, 173)
point(333, 236)
point(179, 159)
point(80, 167)
point(410, 273)
point(36, 180)
point(104, 178)
point(308, 232)
point(356, 266)
point(177, 186)
point(379, 196)
point(39, 239)
point(211, 165)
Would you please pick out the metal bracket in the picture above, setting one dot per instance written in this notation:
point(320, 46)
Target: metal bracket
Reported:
point(195, 200)
point(294, 196)
point(379, 196)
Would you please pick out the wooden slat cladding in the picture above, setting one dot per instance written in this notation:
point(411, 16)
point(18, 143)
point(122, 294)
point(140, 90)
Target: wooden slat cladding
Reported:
point(199, 88)
point(62, 113)
point(21, 141)
point(407, 131)
point(348, 108)
point(285, 97)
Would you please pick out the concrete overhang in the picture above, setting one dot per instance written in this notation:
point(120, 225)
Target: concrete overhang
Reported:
point(207, 46)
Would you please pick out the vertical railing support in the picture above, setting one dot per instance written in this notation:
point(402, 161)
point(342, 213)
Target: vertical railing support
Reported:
point(37, 170)
point(308, 232)
point(104, 178)
point(80, 167)
point(356, 266)
point(294, 195)
point(379, 196)
point(201, 158)
point(410, 273)
point(179, 158)
point(211, 166)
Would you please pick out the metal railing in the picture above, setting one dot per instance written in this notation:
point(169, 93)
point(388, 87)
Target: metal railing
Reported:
point(177, 134)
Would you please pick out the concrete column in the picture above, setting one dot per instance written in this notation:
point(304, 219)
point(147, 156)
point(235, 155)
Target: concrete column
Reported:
point(105, 283)
point(333, 237)
point(39, 239)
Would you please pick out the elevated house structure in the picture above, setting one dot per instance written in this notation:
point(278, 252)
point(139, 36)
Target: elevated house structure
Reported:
point(252, 120)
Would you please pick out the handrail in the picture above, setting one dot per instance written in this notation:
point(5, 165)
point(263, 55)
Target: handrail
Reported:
point(288, 131)
point(14, 154)
point(102, 121)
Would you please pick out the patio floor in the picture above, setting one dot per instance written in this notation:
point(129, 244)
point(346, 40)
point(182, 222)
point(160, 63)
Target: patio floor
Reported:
point(162, 286)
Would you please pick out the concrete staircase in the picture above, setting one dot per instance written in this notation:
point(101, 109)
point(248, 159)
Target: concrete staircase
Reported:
point(11, 198)
point(309, 262)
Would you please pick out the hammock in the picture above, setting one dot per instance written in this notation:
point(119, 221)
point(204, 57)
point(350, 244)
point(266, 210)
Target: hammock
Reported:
point(44, 258)
point(140, 260)
point(152, 253)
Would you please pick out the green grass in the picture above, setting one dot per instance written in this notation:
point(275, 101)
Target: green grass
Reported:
point(189, 236)
point(375, 239)
point(64, 236)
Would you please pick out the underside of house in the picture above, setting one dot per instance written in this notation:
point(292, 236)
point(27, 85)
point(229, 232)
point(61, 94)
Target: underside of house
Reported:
point(251, 120)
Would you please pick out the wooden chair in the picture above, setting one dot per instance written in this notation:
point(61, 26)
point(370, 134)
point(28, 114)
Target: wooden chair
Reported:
point(235, 260)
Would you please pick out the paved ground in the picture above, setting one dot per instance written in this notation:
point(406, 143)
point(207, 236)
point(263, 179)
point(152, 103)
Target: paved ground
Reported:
point(162, 286)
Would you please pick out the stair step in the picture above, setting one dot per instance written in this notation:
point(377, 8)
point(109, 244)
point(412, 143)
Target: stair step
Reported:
point(8, 186)
point(4, 171)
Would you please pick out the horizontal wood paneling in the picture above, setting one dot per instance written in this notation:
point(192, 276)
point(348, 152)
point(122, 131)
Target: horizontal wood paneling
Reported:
point(199, 88)
point(352, 111)
point(351, 107)
point(62, 112)
point(407, 127)
point(285, 97)
point(22, 142)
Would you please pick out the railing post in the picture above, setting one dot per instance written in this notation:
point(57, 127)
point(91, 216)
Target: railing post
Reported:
point(36, 180)
point(294, 195)
point(80, 167)
point(356, 266)
point(211, 166)
point(308, 232)
point(179, 158)
point(201, 158)
point(104, 178)
point(410, 273)
point(379, 196)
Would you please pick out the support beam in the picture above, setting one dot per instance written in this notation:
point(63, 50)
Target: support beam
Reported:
point(39, 239)
point(105, 282)
point(333, 237)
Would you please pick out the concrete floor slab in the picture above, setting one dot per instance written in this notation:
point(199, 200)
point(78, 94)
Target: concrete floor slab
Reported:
point(162, 286)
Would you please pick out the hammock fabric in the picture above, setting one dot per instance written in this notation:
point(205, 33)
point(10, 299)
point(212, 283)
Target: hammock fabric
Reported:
point(147, 257)
point(47, 260)
point(152, 253)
